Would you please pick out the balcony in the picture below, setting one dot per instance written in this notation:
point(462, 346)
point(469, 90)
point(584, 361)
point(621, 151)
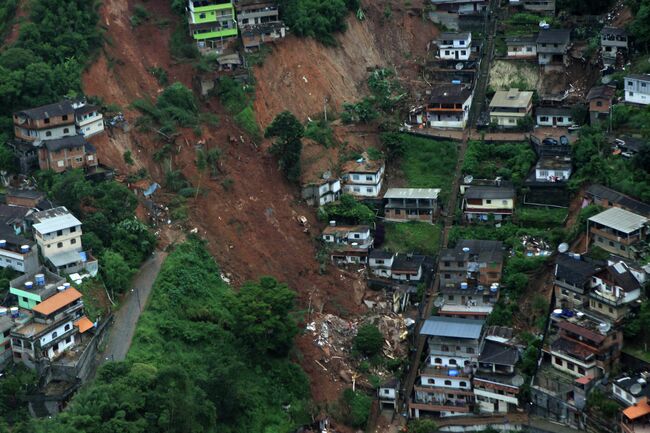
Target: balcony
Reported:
point(447, 406)
point(612, 236)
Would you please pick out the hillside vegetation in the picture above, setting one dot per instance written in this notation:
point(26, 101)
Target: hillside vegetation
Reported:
point(204, 359)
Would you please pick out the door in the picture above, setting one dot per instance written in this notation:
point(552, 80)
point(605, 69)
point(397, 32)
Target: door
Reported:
point(456, 54)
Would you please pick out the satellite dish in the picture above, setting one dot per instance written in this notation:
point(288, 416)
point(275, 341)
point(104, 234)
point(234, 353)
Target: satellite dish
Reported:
point(459, 66)
point(517, 380)
point(468, 179)
point(438, 302)
point(606, 79)
point(604, 327)
point(636, 389)
point(563, 247)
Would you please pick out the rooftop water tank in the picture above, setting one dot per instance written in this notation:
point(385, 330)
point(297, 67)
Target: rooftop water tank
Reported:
point(29, 285)
point(66, 285)
point(14, 312)
point(332, 223)
point(40, 279)
point(557, 312)
point(453, 373)
point(24, 249)
point(3, 311)
point(494, 288)
point(464, 286)
point(60, 288)
point(3, 243)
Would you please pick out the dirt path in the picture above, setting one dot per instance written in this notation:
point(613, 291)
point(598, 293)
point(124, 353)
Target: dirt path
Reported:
point(14, 32)
point(126, 318)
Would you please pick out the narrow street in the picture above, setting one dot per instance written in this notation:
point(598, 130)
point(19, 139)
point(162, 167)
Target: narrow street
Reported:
point(126, 318)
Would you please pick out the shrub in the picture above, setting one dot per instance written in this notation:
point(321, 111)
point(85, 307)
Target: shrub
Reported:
point(357, 408)
point(369, 340)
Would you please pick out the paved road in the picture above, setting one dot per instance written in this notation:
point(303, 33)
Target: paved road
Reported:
point(126, 318)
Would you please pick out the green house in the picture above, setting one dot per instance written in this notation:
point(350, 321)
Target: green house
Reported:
point(212, 22)
point(32, 289)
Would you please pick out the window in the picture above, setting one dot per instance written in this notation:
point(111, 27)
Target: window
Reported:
point(369, 178)
point(54, 335)
point(504, 201)
point(25, 300)
point(462, 384)
point(444, 348)
point(357, 235)
point(511, 120)
point(448, 382)
point(543, 118)
point(463, 52)
point(59, 232)
point(488, 201)
point(356, 189)
point(355, 177)
point(66, 130)
point(611, 310)
point(68, 340)
point(461, 42)
point(581, 370)
point(452, 362)
point(48, 133)
point(642, 84)
point(79, 159)
point(46, 120)
point(438, 361)
point(450, 297)
point(431, 381)
point(202, 16)
point(470, 350)
point(448, 276)
point(446, 52)
point(369, 190)
point(64, 117)
point(599, 103)
point(386, 391)
point(558, 361)
point(630, 83)
point(529, 49)
point(59, 245)
point(611, 243)
point(73, 229)
point(67, 327)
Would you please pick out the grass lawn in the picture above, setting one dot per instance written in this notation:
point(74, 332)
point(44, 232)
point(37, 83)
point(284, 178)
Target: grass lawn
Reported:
point(541, 216)
point(511, 161)
point(638, 352)
point(411, 237)
point(429, 163)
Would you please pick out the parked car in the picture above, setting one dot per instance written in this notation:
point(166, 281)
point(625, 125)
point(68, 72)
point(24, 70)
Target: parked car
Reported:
point(564, 141)
point(574, 128)
point(550, 142)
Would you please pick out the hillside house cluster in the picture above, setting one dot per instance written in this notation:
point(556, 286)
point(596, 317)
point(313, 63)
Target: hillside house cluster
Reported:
point(216, 24)
point(54, 137)
point(454, 14)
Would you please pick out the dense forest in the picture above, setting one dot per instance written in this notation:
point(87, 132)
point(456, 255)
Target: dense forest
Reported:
point(204, 359)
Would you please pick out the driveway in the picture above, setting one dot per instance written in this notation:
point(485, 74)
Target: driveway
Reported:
point(126, 318)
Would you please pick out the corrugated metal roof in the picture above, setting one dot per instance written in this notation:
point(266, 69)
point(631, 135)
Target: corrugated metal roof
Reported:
point(67, 258)
point(620, 219)
point(453, 327)
point(59, 222)
point(412, 193)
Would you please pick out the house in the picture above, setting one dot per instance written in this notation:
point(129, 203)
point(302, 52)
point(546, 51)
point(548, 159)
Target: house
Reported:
point(572, 283)
point(509, 108)
point(482, 202)
point(631, 389)
point(600, 100)
point(629, 146)
point(606, 197)
point(453, 13)
point(553, 116)
point(409, 268)
point(552, 47)
point(322, 191)
point(5, 340)
point(613, 40)
point(553, 169)
point(637, 89)
point(212, 24)
point(363, 177)
point(380, 263)
point(448, 107)
point(388, 394)
point(259, 22)
point(51, 331)
point(58, 235)
point(358, 236)
point(618, 231)
point(544, 6)
point(444, 386)
point(614, 289)
point(32, 289)
point(470, 274)
point(67, 153)
point(454, 46)
point(48, 122)
point(17, 252)
point(496, 383)
point(88, 119)
point(411, 204)
point(24, 197)
point(636, 419)
point(521, 47)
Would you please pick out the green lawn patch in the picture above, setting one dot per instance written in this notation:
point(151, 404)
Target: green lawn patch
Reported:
point(413, 236)
point(511, 161)
point(541, 216)
point(429, 163)
point(638, 352)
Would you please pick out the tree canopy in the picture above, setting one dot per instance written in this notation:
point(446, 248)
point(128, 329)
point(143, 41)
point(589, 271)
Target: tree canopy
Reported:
point(288, 144)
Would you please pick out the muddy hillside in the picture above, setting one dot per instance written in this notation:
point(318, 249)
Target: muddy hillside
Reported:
point(250, 220)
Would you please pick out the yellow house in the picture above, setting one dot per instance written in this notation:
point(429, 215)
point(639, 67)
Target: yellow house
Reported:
point(479, 202)
point(507, 108)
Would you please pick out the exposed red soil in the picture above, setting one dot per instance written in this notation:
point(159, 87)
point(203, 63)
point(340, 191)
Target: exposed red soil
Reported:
point(300, 74)
point(14, 32)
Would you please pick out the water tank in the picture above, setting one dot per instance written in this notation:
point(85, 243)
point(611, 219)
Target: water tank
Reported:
point(66, 285)
point(14, 312)
point(29, 285)
point(3, 243)
point(464, 286)
point(494, 288)
point(456, 82)
point(580, 315)
point(332, 223)
point(3, 311)
point(24, 249)
point(466, 250)
point(641, 381)
point(60, 289)
point(604, 327)
point(40, 279)
point(557, 312)
point(453, 373)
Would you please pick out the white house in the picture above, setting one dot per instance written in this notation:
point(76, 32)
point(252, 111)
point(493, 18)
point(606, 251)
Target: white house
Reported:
point(88, 119)
point(507, 108)
point(553, 169)
point(522, 47)
point(380, 263)
point(637, 89)
point(357, 236)
point(454, 46)
point(388, 393)
point(553, 116)
point(363, 177)
point(322, 191)
point(629, 389)
point(448, 106)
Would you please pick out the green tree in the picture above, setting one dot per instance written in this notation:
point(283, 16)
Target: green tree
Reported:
point(369, 340)
point(423, 426)
point(357, 408)
point(115, 272)
point(642, 158)
point(640, 25)
point(263, 322)
point(288, 144)
point(393, 145)
point(132, 240)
